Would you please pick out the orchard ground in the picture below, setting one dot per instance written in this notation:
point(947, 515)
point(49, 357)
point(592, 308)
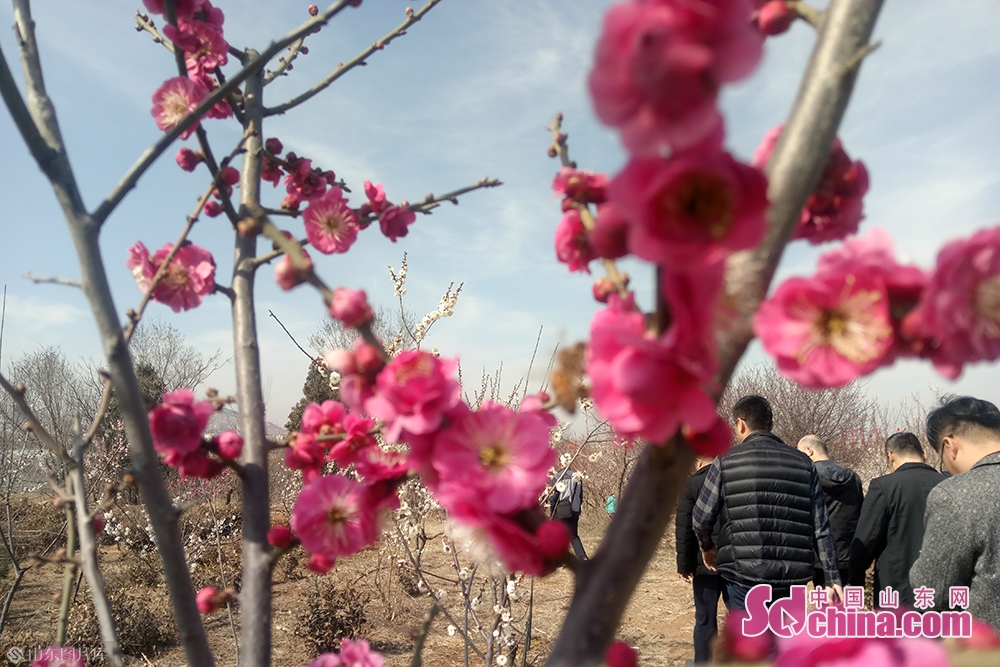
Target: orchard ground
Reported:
point(658, 622)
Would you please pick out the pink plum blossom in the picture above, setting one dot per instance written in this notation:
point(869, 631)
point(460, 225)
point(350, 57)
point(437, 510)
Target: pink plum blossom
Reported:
point(960, 310)
point(553, 538)
point(279, 536)
point(358, 654)
point(802, 650)
point(510, 541)
point(178, 421)
point(287, 275)
point(305, 453)
point(332, 517)
point(691, 210)
point(331, 225)
point(205, 49)
point(827, 330)
point(835, 208)
point(197, 464)
point(319, 564)
point(740, 647)
point(620, 654)
point(350, 306)
point(499, 456)
point(356, 439)
point(711, 442)
point(58, 656)
point(358, 370)
point(395, 221)
point(213, 209)
point(376, 197)
point(189, 277)
point(175, 99)
point(208, 600)
point(659, 65)
point(229, 445)
point(583, 187)
point(413, 392)
point(323, 418)
point(303, 181)
point(185, 9)
point(643, 384)
point(609, 238)
point(572, 243)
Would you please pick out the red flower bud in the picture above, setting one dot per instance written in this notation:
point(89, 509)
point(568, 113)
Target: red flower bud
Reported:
point(274, 146)
point(279, 537)
point(213, 209)
point(553, 539)
point(313, 10)
point(775, 17)
point(621, 654)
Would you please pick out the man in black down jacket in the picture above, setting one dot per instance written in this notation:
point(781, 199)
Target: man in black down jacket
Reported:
point(842, 489)
point(891, 528)
point(770, 501)
point(708, 585)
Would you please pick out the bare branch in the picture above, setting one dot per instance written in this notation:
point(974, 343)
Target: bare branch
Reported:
point(34, 425)
point(359, 60)
point(281, 324)
point(143, 22)
point(287, 62)
point(254, 65)
point(68, 282)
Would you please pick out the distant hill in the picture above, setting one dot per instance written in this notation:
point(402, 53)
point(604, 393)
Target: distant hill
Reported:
point(228, 419)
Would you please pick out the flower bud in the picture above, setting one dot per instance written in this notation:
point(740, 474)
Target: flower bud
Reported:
point(230, 176)
point(368, 359)
point(317, 563)
point(188, 159)
point(775, 17)
point(351, 307)
point(229, 444)
point(279, 537)
point(209, 600)
point(248, 227)
point(213, 209)
point(98, 523)
point(603, 288)
point(621, 654)
point(313, 10)
point(341, 361)
point(409, 11)
point(274, 146)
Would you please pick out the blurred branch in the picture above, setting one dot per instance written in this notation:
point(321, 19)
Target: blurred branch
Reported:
point(357, 61)
point(605, 583)
point(143, 22)
point(68, 282)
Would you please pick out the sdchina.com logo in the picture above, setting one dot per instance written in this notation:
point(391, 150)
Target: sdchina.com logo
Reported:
point(791, 616)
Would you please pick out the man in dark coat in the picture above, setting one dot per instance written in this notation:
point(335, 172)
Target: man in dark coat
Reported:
point(961, 544)
point(891, 528)
point(844, 495)
point(770, 501)
point(708, 585)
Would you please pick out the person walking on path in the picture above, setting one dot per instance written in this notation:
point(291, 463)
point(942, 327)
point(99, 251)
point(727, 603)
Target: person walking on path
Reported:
point(844, 495)
point(891, 528)
point(961, 547)
point(707, 585)
point(770, 501)
point(566, 501)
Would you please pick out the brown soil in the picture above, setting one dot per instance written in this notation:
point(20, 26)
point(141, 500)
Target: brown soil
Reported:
point(658, 622)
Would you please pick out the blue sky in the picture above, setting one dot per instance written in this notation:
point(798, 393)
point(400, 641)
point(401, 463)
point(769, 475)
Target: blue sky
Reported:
point(468, 94)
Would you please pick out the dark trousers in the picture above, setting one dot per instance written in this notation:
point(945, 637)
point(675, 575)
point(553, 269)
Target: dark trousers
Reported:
point(738, 595)
point(819, 577)
point(573, 522)
point(707, 589)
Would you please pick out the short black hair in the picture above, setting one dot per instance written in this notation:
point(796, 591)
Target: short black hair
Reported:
point(958, 415)
point(755, 411)
point(904, 444)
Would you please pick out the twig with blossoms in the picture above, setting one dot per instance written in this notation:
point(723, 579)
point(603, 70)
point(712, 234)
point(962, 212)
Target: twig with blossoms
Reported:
point(430, 590)
point(254, 64)
point(359, 60)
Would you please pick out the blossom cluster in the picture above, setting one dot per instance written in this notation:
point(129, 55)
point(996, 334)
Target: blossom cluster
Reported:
point(199, 35)
point(486, 467)
point(862, 309)
point(357, 653)
point(682, 202)
point(178, 425)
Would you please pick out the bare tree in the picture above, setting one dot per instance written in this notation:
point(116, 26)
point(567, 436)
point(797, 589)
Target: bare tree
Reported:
point(161, 346)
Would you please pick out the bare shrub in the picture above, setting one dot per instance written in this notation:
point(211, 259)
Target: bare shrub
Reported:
point(332, 612)
point(146, 625)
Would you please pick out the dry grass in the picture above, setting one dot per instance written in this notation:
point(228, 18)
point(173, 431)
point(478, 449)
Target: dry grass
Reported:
point(658, 621)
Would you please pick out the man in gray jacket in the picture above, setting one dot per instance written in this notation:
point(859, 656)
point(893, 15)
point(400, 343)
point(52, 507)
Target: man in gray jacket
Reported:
point(961, 546)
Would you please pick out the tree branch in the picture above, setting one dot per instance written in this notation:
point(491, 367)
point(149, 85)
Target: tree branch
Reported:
point(255, 594)
point(286, 63)
point(84, 231)
point(68, 282)
point(605, 583)
point(35, 426)
point(359, 60)
point(151, 154)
